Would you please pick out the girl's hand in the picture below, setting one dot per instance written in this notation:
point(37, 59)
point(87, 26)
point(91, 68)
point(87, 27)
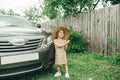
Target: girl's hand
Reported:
point(67, 42)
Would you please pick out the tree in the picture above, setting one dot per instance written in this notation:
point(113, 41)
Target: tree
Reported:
point(57, 8)
point(113, 2)
point(9, 12)
point(33, 14)
point(2, 11)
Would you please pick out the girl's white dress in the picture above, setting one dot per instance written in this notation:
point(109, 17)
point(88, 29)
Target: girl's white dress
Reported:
point(60, 55)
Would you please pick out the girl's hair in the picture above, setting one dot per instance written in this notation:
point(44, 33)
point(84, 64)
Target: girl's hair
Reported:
point(56, 35)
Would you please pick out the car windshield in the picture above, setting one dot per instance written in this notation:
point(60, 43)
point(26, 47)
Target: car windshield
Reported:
point(9, 21)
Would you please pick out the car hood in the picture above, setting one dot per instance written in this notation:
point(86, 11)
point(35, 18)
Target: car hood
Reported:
point(12, 31)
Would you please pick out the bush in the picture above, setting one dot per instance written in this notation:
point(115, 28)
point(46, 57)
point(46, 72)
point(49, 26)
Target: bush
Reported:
point(77, 44)
point(115, 59)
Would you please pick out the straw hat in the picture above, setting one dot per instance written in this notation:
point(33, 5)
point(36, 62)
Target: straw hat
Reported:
point(67, 32)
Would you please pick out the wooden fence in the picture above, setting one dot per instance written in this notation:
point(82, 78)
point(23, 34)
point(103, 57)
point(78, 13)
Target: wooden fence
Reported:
point(101, 28)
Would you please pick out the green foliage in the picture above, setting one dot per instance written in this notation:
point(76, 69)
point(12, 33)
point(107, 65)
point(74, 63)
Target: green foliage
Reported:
point(116, 59)
point(112, 44)
point(2, 11)
point(33, 15)
point(9, 12)
point(77, 44)
point(113, 2)
point(48, 9)
point(56, 8)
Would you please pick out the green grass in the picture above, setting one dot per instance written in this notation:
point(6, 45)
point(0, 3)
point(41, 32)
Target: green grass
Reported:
point(82, 66)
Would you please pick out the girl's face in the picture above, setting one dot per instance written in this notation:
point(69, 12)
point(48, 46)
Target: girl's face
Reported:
point(61, 34)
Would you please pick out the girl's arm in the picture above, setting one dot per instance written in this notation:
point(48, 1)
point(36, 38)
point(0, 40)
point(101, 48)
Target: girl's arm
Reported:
point(66, 45)
point(59, 45)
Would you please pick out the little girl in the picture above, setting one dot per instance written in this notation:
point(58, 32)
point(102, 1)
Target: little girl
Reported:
point(59, 38)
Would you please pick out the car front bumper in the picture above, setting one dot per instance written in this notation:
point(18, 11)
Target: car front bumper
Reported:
point(43, 61)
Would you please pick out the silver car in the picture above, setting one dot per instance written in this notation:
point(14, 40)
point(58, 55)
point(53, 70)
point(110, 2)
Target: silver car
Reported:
point(23, 48)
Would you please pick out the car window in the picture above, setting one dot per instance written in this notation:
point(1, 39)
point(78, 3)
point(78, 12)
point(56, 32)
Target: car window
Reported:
point(9, 21)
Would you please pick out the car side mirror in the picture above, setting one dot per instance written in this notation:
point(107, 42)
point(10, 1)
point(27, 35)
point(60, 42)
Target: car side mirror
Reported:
point(38, 26)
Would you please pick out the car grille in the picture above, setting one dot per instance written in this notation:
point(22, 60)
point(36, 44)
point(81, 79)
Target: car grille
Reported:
point(32, 44)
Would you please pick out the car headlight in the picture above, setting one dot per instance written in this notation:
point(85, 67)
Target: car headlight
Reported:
point(47, 40)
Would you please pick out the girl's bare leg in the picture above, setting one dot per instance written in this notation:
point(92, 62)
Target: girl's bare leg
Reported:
point(66, 71)
point(58, 73)
point(57, 67)
point(65, 67)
